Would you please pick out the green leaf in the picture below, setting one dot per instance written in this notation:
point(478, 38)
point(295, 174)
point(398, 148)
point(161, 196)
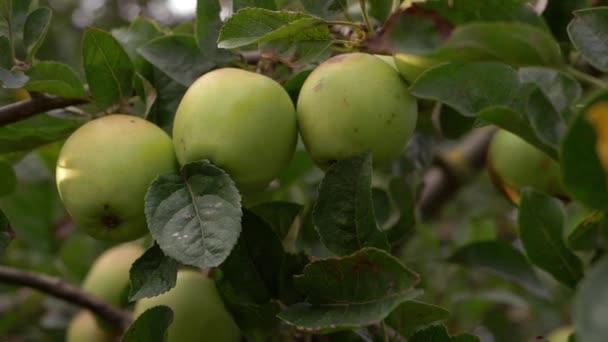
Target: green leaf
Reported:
point(380, 9)
point(151, 274)
point(588, 32)
point(178, 56)
point(195, 216)
point(6, 53)
point(267, 4)
point(257, 257)
point(141, 31)
point(350, 292)
point(279, 215)
point(6, 232)
point(12, 79)
point(208, 24)
point(413, 315)
point(256, 25)
point(500, 259)
point(39, 130)
point(463, 11)
point(438, 333)
point(541, 224)
point(469, 88)
point(404, 198)
point(325, 8)
point(107, 67)
point(590, 303)
point(512, 43)
point(590, 234)
point(34, 32)
point(8, 178)
point(54, 78)
point(582, 173)
point(150, 326)
point(544, 119)
point(168, 96)
point(343, 214)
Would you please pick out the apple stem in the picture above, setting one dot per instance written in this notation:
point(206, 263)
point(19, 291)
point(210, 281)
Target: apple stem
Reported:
point(368, 23)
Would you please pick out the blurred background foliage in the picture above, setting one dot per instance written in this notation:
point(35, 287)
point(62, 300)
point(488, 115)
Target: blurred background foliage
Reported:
point(492, 308)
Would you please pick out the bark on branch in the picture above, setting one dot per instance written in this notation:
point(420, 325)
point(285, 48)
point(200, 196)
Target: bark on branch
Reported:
point(39, 103)
point(61, 289)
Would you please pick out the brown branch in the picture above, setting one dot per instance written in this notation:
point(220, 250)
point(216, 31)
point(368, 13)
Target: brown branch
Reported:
point(39, 103)
point(454, 170)
point(61, 289)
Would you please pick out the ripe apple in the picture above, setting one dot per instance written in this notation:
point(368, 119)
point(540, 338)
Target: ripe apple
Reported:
point(108, 277)
point(84, 328)
point(518, 164)
point(241, 121)
point(104, 170)
point(198, 310)
point(355, 103)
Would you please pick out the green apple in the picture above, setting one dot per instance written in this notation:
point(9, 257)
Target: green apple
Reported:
point(518, 164)
point(104, 170)
point(388, 60)
point(561, 334)
point(108, 277)
point(241, 121)
point(355, 103)
point(84, 328)
point(411, 66)
point(198, 310)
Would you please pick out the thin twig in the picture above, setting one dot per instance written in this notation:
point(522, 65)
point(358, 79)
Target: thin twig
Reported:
point(37, 104)
point(61, 289)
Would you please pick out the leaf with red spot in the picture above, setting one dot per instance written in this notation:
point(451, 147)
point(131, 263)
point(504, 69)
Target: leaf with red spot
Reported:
point(351, 292)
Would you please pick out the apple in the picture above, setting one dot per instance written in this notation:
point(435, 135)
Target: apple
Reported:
point(355, 103)
point(84, 328)
point(241, 121)
point(108, 277)
point(412, 66)
point(104, 170)
point(561, 334)
point(519, 164)
point(198, 310)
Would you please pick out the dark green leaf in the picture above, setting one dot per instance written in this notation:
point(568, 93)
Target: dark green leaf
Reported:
point(404, 198)
point(294, 84)
point(6, 53)
point(54, 78)
point(279, 215)
point(414, 34)
point(267, 4)
point(325, 8)
point(344, 214)
point(501, 259)
point(588, 32)
point(107, 67)
point(8, 179)
point(195, 216)
point(36, 27)
point(380, 9)
point(12, 79)
point(168, 95)
point(141, 31)
point(590, 303)
point(463, 11)
point(589, 234)
point(350, 292)
point(208, 24)
point(413, 315)
point(544, 119)
point(151, 326)
point(151, 274)
point(39, 130)
point(453, 124)
point(438, 333)
point(541, 224)
point(469, 88)
point(6, 232)
point(257, 257)
point(178, 56)
point(256, 25)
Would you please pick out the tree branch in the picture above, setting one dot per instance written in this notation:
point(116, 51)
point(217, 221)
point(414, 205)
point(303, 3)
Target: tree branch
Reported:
point(455, 169)
point(39, 103)
point(61, 289)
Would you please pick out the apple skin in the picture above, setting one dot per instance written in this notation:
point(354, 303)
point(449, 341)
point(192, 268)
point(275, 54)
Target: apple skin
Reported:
point(198, 310)
point(355, 103)
point(412, 66)
point(560, 334)
point(104, 170)
point(84, 328)
point(108, 277)
point(241, 121)
point(519, 164)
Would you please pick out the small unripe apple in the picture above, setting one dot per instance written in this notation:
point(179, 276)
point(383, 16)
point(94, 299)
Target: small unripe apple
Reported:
point(241, 121)
point(108, 277)
point(412, 66)
point(561, 334)
point(355, 103)
point(198, 310)
point(104, 170)
point(84, 328)
point(518, 164)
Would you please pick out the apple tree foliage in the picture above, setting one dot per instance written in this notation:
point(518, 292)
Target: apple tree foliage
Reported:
point(351, 253)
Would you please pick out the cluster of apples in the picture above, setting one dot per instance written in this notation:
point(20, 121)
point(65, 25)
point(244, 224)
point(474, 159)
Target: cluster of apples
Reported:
point(198, 311)
point(241, 121)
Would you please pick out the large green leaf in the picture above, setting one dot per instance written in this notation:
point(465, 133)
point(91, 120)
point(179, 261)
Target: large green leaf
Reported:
point(151, 274)
point(39, 130)
point(344, 214)
point(279, 215)
point(54, 78)
point(150, 326)
point(588, 32)
point(413, 315)
point(350, 292)
point(541, 224)
point(464, 11)
point(195, 215)
point(34, 32)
